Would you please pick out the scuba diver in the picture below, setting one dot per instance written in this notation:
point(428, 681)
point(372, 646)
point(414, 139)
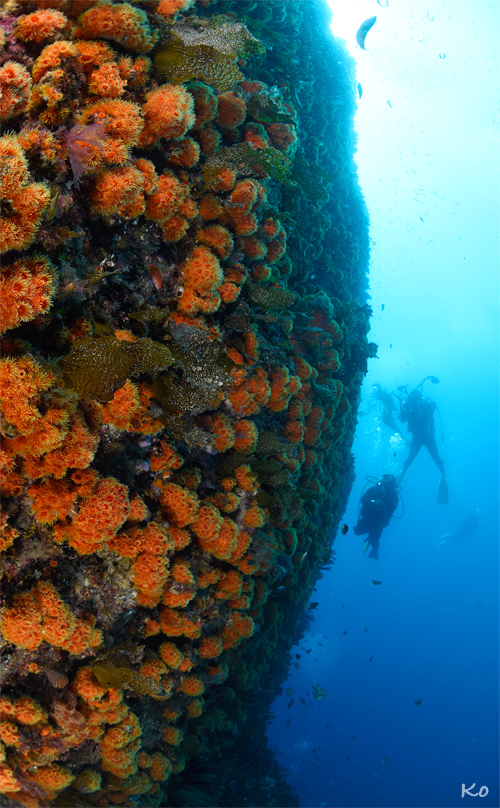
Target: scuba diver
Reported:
point(377, 506)
point(418, 412)
point(466, 529)
point(388, 406)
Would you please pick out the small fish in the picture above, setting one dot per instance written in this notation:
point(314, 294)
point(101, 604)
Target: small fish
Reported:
point(315, 749)
point(353, 738)
point(297, 666)
point(319, 692)
point(347, 757)
point(290, 691)
point(344, 632)
point(302, 701)
point(344, 529)
point(366, 631)
point(363, 30)
point(312, 605)
point(370, 659)
point(303, 558)
point(287, 724)
point(297, 656)
point(360, 90)
point(155, 276)
point(417, 702)
point(309, 651)
point(382, 306)
point(290, 703)
point(384, 760)
point(421, 218)
point(377, 583)
point(390, 346)
point(389, 104)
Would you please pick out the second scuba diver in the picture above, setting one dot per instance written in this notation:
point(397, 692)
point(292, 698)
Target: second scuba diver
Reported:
point(378, 504)
point(418, 412)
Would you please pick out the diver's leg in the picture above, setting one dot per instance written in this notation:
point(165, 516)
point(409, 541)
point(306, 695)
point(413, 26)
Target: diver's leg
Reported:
point(434, 453)
point(443, 496)
point(374, 539)
point(416, 445)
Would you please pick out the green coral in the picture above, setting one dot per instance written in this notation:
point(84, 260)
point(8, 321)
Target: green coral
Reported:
point(271, 298)
point(112, 669)
point(151, 314)
point(246, 160)
point(206, 53)
point(98, 366)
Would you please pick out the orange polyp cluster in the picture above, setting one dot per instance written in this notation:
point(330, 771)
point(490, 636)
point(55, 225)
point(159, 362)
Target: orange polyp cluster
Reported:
point(180, 506)
point(220, 426)
point(15, 86)
point(168, 113)
point(283, 387)
point(192, 686)
point(231, 110)
point(51, 500)
point(150, 568)
point(186, 153)
point(27, 288)
point(166, 199)
point(171, 654)
point(208, 523)
point(123, 406)
point(120, 22)
point(202, 274)
point(239, 627)
point(229, 585)
point(217, 238)
point(255, 516)
point(98, 519)
point(248, 397)
point(41, 616)
point(246, 436)
point(172, 736)
point(23, 203)
point(165, 460)
point(209, 140)
point(210, 647)
point(177, 624)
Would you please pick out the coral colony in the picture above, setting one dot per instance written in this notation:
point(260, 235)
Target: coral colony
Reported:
point(184, 248)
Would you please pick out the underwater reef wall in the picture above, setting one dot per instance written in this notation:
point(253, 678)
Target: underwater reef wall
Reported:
point(183, 322)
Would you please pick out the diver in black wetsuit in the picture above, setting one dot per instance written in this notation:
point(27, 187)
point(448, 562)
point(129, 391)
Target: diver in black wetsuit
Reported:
point(378, 504)
point(418, 412)
point(466, 529)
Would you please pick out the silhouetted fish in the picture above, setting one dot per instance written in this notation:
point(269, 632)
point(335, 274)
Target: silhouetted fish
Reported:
point(360, 90)
point(363, 30)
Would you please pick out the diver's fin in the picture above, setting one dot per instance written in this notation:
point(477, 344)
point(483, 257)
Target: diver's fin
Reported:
point(366, 545)
point(441, 542)
point(443, 491)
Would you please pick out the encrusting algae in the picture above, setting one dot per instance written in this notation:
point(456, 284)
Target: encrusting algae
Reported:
point(183, 339)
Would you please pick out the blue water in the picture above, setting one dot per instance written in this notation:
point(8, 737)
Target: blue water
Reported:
point(428, 166)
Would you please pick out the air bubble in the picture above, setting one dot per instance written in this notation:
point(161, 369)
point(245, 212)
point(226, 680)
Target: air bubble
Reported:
point(442, 55)
point(383, 3)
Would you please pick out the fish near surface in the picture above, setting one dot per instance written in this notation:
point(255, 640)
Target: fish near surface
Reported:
point(363, 30)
